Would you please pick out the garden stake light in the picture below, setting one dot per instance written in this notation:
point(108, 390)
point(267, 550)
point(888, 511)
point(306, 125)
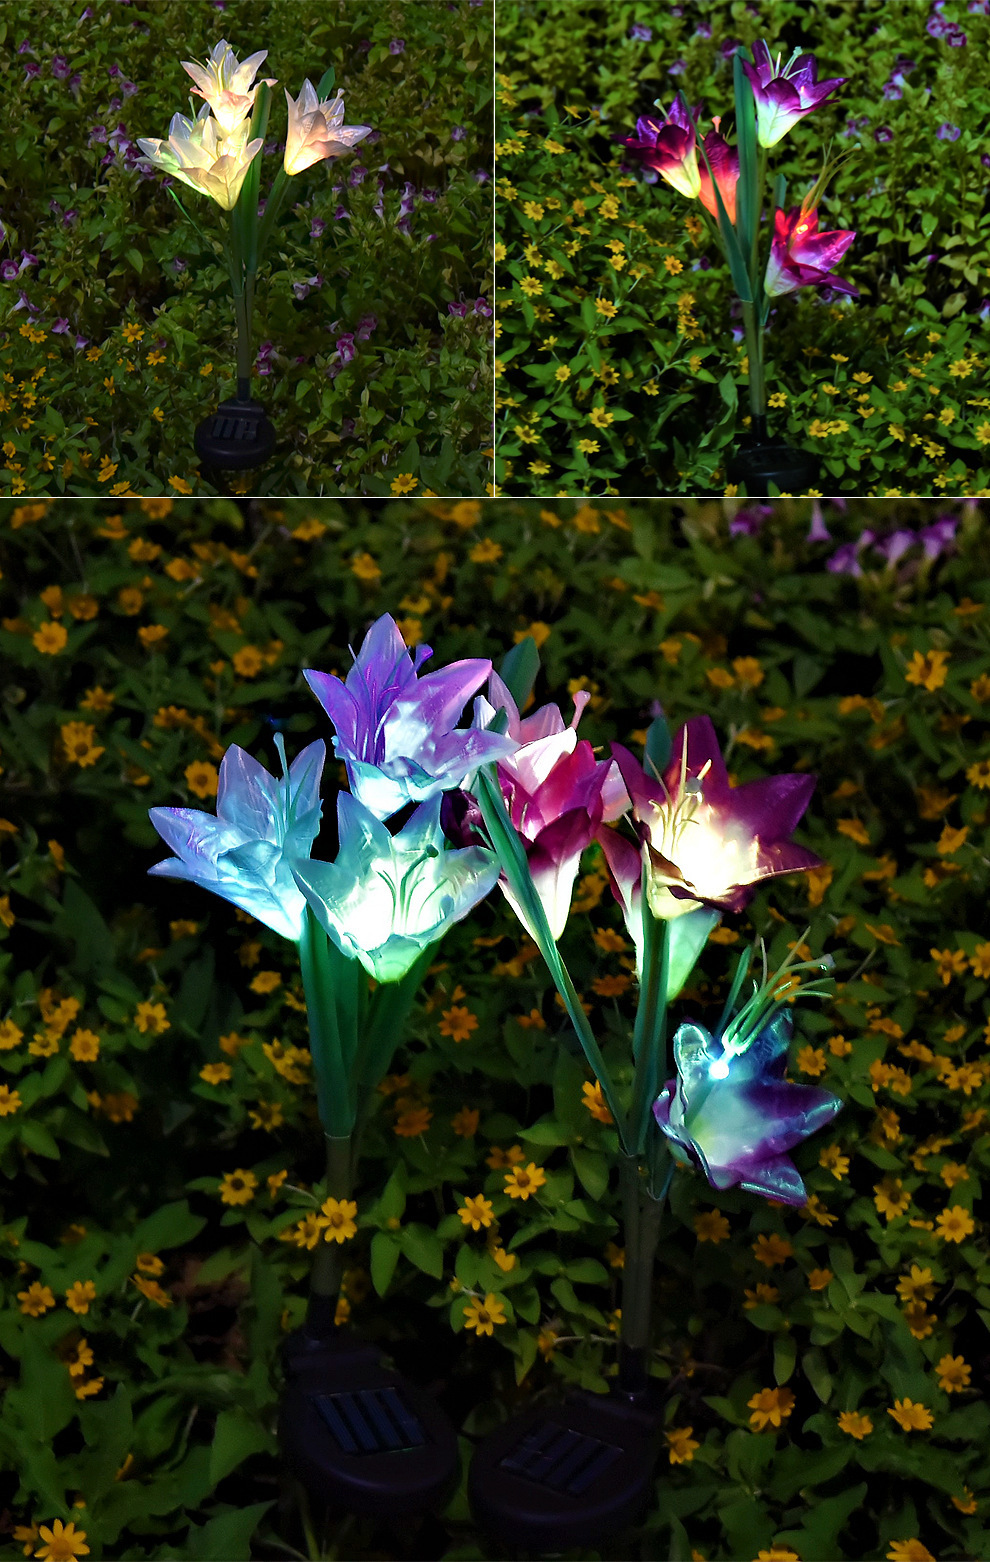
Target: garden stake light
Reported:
point(579, 1471)
point(216, 153)
point(769, 99)
point(360, 1436)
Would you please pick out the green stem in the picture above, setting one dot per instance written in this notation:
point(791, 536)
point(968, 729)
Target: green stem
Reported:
point(330, 1073)
point(328, 1265)
point(761, 179)
point(754, 347)
point(641, 1214)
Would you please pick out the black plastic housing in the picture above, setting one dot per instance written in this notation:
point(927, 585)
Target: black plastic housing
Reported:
point(238, 436)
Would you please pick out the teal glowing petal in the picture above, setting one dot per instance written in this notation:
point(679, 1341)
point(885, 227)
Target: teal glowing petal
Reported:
point(388, 897)
point(242, 852)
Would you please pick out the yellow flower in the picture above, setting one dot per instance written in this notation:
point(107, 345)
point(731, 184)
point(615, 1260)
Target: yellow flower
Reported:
point(78, 741)
point(149, 1264)
point(151, 1016)
point(202, 778)
point(85, 1046)
point(506, 1261)
point(601, 417)
point(37, 1299)
point(215, 1073)
point(929, 669)
point(404, 483)
point(483, 1316)
point(523, 1181)
point(771, 1250)
point(858, 1426)
point(909, 1551)
point(978, 775)
point(759, 1295)
point(306, 1232)
point(953, 1374)
point(267, 1115)
point(680, 1444)
point(955, 1224)
point(340, 1222)
point(412, 1122)
point(237, 1187)
point(911, 1417)
point(50, 639)
point(80, 1360)
point(604, 306)
point(832, 1158)
point(465, 1123)
point(11, 1035)
point(918, 1286)
point(153, 1291)
point(63, 1542)
point(364, 567)
point(79, 1295)
point(811, 1060)
point(458, 1023)
point(10, 1101)
point(476, 1212)
point(770, 1407)
point(889, 1197)
point(711, 1226)
point(818, 1279)
point(485, 552)
point(595, 1101)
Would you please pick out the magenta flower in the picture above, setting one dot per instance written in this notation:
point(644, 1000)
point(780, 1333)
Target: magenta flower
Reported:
point(800, 256)
point(670, 147)
point(558, 795)
point(783, 96)
point(702, 840)
point(725, 166)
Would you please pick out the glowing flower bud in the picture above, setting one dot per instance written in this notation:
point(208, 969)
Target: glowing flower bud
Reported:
point(670, 147)
point(226, 85)
point(783, 96)
point(317, 130)
point(800, 256)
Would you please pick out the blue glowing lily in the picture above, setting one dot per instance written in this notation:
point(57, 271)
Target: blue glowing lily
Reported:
point(388, 897)
point(730, 1110)
point(242, 854)
point(395, 730)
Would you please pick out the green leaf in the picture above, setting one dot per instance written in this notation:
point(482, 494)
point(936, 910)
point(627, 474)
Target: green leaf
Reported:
point(38, 1139)
point(226, 1535)
point(518, 669)
point(815, 1369)
point(236, 1437)
point(784, 1357)
point(169, 1226)
point(384, 1257)
point(136, 259)
point(326, 83)
point(423, 1248)
point(592, 1170)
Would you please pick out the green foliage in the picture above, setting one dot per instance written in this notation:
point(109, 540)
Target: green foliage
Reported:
point(783, 1338)
point(367, 376)
point(620, 368)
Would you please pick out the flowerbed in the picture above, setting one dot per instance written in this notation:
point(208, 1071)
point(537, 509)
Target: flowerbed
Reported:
point(619, 368)
point(825, 1370)
point(372, 319)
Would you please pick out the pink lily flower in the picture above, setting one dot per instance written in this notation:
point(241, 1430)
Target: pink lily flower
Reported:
point(800, 256)
point(703, 841)
point(725, 166)
point(558, 795)
point(670, 147)
point(783, 96)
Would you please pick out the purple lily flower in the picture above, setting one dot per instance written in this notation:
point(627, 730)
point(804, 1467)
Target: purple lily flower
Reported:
point(395, 730)
point(669, 146)
point(261, 822)
point(783, 96)
point(702, 840)
point(734, 1116)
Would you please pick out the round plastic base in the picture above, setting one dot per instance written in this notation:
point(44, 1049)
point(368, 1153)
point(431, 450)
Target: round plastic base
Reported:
point(572, 1472)
point(236, 437)
point(360, 1437)
point(759, 464)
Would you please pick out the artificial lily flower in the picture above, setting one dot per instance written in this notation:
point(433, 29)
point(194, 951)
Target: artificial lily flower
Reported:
point(734, 1115)
point(388, 897)
point(669, 146)
point(395, 731)
point(226, 85)
point(317, 129)
point(702, 840)
point(242, 854)
point(195, 152)
point(800, 256)
point(725, 166)
point(557, 795)
point(783, 96)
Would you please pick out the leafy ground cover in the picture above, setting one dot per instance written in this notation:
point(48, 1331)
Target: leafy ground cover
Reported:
point(825, 1370)
point(620, 370)
point(372, 320)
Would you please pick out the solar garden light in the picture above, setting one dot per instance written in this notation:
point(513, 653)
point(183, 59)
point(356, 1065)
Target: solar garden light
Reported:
point(360, 1436)
point(216, 153)
point(769, 100)
point(577, 1471)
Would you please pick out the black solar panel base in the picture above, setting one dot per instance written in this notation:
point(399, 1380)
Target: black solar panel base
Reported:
point(761, 460)
point(236, 437)
point(362, 1438)
point(570, 1473)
